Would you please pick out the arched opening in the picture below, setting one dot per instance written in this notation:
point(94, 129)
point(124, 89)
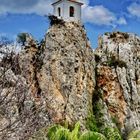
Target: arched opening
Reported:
point(72, 11)
point(59, 11)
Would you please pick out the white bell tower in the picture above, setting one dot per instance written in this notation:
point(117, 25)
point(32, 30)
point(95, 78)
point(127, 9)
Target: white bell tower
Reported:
point(68, 10)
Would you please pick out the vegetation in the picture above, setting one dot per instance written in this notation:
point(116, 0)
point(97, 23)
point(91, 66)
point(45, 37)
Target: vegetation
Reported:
point(58, 132)
point(114, 35)
point(112, 133)
point(115, 120)
point(116, 62)
point(55, 20)
point(92, 136)
point(134, 135)
point(118, 37)
point(98, 107)
point(109, 132)
point(14, 101)
point(91, 123)
point(21, 38)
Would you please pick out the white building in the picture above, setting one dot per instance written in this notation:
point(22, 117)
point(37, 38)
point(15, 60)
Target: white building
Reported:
point(69, 10)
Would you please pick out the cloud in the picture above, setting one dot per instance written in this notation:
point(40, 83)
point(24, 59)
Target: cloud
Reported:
point(98, 15)
point(134, 9)
point(40, 7)
point(101, 15)
point(93, 14)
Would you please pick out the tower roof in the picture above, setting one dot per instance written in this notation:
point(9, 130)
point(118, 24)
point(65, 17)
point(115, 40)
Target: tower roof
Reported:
point(68, 0)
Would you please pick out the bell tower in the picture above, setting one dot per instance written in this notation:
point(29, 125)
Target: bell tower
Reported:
point(68, 10)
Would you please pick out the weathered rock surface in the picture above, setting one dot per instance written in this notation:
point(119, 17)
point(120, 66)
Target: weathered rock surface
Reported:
point(67, 75)
point(57, 82)
point(118, 76)
point(47, 85)
point(20, 115)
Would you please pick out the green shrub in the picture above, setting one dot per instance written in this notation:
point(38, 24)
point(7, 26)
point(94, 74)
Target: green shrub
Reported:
point(58, 132)
point(134, 139)
point(112, 133)
point(116, 62)
point(116, 121)
point(91, 123)
point(74, 135)
point(92, 136)
point(134, 135)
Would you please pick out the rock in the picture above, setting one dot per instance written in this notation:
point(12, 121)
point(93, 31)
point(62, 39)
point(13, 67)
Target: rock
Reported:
point(67, 76)
point(118, 76)
point(59, 81)
point(54, 84)
point(20, 114)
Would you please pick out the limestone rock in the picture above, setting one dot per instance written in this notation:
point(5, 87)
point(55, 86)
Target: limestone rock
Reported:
point(118, 71)
point(58, 81)
point(20, 115)
point(41, 85)
point(67, 76)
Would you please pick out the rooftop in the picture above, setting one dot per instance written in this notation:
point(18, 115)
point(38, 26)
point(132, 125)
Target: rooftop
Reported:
point(68, 0)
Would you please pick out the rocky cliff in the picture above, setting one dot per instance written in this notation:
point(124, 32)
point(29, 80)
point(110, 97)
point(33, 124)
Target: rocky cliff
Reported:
point(47, 84)
point(66, 78)
point(117, 78)
point(63, 81)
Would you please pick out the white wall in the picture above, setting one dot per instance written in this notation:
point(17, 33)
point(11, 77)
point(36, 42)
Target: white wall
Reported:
point(77, 8)
point(65, 5)
point(56, 6)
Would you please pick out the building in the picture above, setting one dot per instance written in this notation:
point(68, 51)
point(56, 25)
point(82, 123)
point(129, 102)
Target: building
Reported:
point(69, 10)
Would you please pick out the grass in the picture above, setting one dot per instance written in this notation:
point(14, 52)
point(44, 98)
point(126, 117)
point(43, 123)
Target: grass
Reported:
point(116, 62)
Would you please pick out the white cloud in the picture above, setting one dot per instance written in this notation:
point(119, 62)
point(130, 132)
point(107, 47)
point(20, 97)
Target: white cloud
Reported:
point(93, 14)
point(134, 9)
point(43, 7)
point(98, 15)
point(40, 7)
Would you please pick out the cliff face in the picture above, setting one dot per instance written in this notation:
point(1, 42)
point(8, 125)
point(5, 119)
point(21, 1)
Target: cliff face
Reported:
point(118, 80)
point(20, 114)
point(51, 83)
point(63, 80)
point(66, 78)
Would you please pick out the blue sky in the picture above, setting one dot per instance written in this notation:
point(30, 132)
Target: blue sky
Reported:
point(98, 16)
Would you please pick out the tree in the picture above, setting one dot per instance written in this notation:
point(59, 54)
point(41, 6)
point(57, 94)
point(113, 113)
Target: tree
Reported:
point(21, 38)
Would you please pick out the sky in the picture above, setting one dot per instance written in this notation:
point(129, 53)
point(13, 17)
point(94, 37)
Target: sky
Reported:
point(98, 16)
